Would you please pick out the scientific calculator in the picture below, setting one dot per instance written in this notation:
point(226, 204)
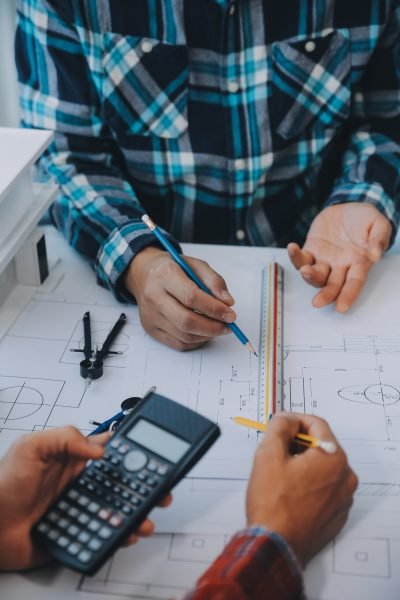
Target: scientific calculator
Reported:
point(154, 447)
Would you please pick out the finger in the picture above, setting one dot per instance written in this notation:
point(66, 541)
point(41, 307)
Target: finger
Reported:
point(299, 257)
point(100, 439)
point(192, 297)
point(331, 289)
point(280, 432)
point(316, 427)
point(355, 279)
point(167, 501)
point(132, 539)
point(215, 283)
point(146, 528)
point(316, 275)
point(67, 442)
point(379, 238)
point(187, 321)
point(172, 342)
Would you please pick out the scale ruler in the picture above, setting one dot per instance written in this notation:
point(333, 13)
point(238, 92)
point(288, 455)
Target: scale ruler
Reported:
point(270, 388)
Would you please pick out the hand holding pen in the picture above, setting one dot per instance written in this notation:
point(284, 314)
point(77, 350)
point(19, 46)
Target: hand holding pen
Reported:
point(173, 309)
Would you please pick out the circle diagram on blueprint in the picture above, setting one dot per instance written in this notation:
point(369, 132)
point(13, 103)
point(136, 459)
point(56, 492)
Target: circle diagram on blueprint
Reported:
point(378, 393)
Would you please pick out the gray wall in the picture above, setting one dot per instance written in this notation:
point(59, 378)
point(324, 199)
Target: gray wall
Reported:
point(8, 86)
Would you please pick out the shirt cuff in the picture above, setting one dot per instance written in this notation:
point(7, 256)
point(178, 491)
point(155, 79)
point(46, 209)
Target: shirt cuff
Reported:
point(256, 563)
point(117, 251)
point(371, 193)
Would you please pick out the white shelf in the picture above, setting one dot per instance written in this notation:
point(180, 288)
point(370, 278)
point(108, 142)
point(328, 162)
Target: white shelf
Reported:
point(12, 238)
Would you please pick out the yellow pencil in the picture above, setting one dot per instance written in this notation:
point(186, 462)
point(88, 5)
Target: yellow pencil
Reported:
point(301, 438)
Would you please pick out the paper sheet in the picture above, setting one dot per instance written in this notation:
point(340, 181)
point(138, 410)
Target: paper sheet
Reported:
point(343, 367)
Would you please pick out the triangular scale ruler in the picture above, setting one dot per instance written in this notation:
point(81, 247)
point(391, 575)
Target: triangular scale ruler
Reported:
point(270, 388)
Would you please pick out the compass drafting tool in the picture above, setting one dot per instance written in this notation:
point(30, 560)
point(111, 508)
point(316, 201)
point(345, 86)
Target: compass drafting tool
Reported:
point(92, 366)
point(270, 389)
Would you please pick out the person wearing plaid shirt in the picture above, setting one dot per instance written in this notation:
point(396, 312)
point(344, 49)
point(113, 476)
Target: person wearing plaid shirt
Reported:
point(294, 506)
point(228, 122)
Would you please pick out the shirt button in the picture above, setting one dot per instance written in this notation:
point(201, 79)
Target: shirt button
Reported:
point(239, 164)
point(233, 87)
point(232, 10)
point(240, 235)
point(310, 46)
point(358, 97)
point(146, 46)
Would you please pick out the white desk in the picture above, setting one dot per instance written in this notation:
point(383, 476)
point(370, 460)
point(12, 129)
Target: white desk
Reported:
point(331, 362)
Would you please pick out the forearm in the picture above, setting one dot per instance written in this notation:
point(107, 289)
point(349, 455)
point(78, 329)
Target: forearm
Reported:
point(371, 165)
point(97, 208)
point(256, 564)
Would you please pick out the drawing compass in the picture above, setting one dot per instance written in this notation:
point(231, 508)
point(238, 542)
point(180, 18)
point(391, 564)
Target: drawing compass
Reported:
point(127, 406)
point(91, 367)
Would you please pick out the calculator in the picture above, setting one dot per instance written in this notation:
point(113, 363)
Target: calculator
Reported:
point(154, 447)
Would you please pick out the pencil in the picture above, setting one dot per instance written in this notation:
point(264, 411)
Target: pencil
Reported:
point(301, 438)
point(192, 275)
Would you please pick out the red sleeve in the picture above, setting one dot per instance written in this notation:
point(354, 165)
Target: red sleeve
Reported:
point(255, 565)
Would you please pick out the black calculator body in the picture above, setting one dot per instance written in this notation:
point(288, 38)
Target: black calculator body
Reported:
point(153, 448)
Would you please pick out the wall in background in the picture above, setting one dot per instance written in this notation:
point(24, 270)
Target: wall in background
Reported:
point(8, 79)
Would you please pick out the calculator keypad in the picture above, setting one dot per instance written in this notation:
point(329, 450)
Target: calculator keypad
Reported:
point(107, 493)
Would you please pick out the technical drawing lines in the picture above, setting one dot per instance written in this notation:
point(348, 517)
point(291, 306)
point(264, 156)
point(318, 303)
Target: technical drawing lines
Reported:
point(379, 393)
point(378, 489)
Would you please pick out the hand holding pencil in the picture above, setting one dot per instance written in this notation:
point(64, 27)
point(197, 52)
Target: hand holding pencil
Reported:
point(172, 308)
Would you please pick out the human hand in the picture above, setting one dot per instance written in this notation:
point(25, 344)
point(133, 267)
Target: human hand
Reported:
point(305, 498)
point(343, 242)
point(33, 473)
point(172, 308)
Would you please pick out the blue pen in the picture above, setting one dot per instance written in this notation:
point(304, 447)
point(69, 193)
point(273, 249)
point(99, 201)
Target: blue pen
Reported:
point(192, 275)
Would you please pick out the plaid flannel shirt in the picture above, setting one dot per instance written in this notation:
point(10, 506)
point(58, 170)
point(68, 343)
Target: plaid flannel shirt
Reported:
point(228, 121)
point(255, 565)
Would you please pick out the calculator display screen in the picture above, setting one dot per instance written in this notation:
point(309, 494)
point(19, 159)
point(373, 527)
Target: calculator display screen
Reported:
point(158, 440)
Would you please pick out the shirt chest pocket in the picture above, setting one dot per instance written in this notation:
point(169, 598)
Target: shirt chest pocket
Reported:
point(310, 83)
point(145, 86)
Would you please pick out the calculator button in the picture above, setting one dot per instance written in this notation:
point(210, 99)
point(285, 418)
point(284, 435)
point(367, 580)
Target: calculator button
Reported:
point(105, 533)
point(124, 449)
point(117, 503)
point(135, 500)
point(73, 512)
point(99, 465)
point(63, 523)
point(151, 481)
point(43, 527)
point(135, 460)
point(162, 470)
point(62, 505)
point(141, 476)
point(152, 466)
point(104, 514)
point(115, 461)
point(73, 549)
point(115, 443)
point(53, 534)
point(125, 480)
point(63, 541)
point(94, 508)
point(73, 494)
point(73, 530)
point(133, 485)
point(95, 544)
point(115, 474)
point(90, 487)
point(143, 491)
point(94, 525)
point(84, 556)
point(116, 489)
point(127, 510)
point(107, 484)
point(83, 519)
point(84, 537)
point(53, 516)
point(99, 478)
point(116, 521)
point(83, 501)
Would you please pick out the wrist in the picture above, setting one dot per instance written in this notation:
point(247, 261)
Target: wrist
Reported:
point(133, 275)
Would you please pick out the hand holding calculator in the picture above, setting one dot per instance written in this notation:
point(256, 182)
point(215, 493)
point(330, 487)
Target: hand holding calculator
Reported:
point(151, 451)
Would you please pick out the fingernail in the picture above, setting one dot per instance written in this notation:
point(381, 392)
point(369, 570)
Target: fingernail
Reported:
point(225, 295)
point(229, 317)
point(226, 330)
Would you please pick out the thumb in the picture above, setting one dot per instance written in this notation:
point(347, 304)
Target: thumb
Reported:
point(281, 430)
point(68, 442)
point(215, 283)
point(379, 238)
